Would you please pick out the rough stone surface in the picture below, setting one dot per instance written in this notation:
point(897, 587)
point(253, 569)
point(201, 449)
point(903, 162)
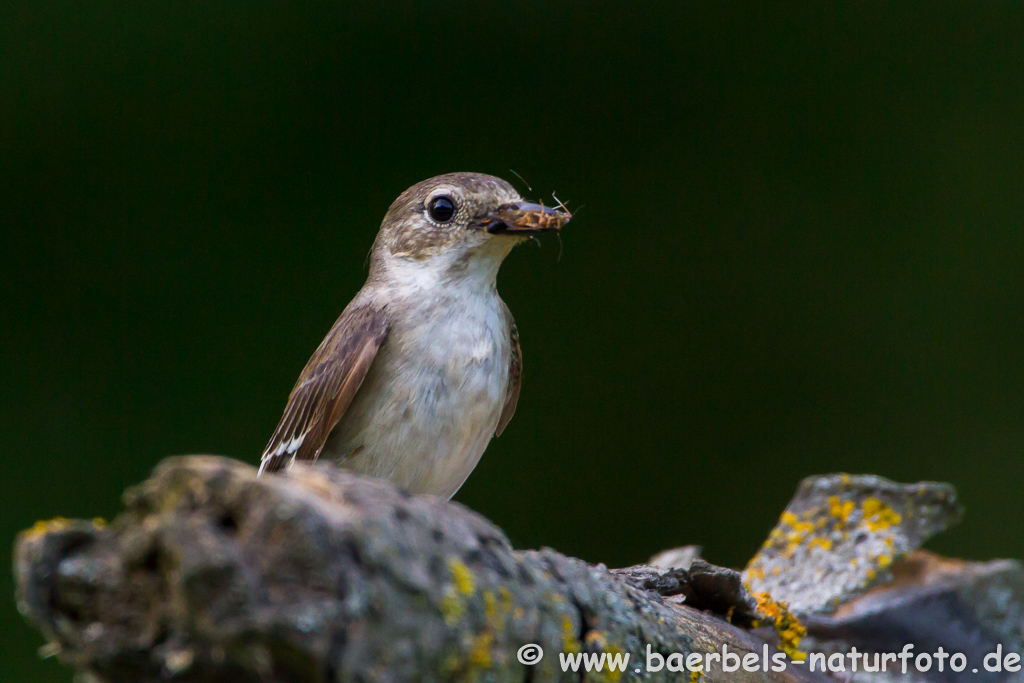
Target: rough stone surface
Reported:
point(967, 607)
point(676, 557)
point(213, 574)
point(841, 533)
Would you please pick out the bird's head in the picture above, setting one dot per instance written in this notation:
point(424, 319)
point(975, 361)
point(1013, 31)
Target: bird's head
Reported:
point(458, 225)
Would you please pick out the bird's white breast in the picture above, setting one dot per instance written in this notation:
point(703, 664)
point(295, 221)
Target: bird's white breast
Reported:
point(432, 399)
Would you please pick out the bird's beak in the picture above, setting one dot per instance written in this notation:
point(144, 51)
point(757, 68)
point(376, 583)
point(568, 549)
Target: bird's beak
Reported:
point(523, 218)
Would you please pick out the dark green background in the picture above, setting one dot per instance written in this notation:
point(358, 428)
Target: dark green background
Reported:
point(801, 249)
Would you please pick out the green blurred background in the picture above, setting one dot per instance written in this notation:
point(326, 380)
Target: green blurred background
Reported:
point(801, 249)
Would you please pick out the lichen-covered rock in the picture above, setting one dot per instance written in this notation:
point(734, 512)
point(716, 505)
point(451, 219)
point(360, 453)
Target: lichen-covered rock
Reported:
point(840, 534)
point(214, 574)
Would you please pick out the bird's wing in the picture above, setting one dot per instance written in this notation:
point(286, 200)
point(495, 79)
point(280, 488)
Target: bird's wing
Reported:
point(326, 387)
point(515, 377)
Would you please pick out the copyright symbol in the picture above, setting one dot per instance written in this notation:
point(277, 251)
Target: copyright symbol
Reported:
point(530, 654)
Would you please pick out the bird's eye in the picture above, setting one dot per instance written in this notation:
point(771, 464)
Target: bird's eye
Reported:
point(441, 209)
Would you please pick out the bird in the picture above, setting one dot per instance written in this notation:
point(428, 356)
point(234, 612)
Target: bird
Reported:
point(424, 366)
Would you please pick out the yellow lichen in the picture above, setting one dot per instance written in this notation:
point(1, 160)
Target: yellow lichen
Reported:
point(451, 609)
point(450, 665)
point(800, 528)
point(570, 644)
point(879, 516)
point(462, 576)
point(452, 606)
point(490, 606)
point(819, 542)
point(609, 674)
point(596, 642)
point(789, 533)
point(836, 508)
point(480, 655)
point(505, 596)
point(840, 509)
point(49, 526)
point(496, 612)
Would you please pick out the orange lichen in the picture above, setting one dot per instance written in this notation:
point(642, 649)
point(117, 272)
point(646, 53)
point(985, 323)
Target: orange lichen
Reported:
point(767, 607)
point(789, 628)
point(595, 640)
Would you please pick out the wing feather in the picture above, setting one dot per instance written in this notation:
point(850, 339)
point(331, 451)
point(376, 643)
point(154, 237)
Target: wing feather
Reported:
point(515, 377)
point(326, 387)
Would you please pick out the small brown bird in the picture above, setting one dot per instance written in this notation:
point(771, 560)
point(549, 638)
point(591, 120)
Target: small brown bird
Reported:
point(424, 366)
